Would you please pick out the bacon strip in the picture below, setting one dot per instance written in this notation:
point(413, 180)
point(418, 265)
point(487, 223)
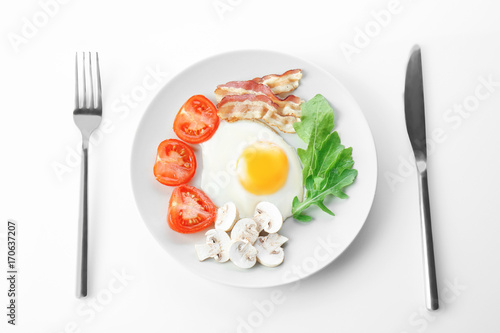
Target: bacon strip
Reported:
point(289, 106)
point(255, 106)
point(257, 99)
point(281, 84)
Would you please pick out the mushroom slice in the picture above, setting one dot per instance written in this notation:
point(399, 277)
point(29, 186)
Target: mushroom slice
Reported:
point(227, 215)
point(268, 217)
point(216, 246)
point(269, 250)
point(245, 229)
point(274, 240)
point(243, 254)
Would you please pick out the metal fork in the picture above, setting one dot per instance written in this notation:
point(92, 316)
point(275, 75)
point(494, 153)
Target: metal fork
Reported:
point(87, 116)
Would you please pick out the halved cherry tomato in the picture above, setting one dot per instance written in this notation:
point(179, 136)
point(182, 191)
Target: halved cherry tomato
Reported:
point(175, 163)
point(190, 210)
point(197, 120)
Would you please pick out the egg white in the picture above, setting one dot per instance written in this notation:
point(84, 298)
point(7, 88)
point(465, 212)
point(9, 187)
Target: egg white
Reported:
point(219, 179)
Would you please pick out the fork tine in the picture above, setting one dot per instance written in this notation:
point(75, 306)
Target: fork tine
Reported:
point(77, 97)
point(85, 99)
point(99, 95)
point(91, 102)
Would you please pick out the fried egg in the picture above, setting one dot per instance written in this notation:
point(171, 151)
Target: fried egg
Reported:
point(247, 162)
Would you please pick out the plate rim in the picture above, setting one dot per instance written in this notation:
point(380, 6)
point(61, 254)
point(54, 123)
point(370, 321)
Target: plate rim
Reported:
point(246, 51)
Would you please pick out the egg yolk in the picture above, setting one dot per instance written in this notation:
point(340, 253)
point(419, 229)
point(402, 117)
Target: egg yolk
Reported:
point(262, 168)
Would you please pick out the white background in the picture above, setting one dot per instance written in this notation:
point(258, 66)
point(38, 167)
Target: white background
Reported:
point(375, 286)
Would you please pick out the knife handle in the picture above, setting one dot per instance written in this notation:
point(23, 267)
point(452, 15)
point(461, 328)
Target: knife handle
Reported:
point(431, 290)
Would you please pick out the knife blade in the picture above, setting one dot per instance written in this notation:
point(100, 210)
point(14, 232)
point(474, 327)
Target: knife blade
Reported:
point(414, 103)
point(415, 125)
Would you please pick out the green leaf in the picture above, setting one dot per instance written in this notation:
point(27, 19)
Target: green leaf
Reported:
point(344, 160)
point(302, 218)
point(318, 183)
point(328, 153)
point(337, 182)
point(316, 121)
point(309, 185)
point(327, 164)
point(324, 208)
point(307, 159)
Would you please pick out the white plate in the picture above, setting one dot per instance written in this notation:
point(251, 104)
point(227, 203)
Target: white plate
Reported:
point(312, 246)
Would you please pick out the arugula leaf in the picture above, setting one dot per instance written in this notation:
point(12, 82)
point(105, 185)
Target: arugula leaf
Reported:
point(316, 122)
point(327, 164)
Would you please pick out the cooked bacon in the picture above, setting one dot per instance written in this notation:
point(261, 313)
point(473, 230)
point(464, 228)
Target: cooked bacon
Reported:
point(255, 106)
point(241, 88)
point(237, 107)
point(257, 99)
point(289, 106)
point(281, 84)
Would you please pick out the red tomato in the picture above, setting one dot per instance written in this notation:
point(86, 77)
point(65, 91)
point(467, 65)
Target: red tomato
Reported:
point(190, 210)
point(197, 120)
point(175, 163)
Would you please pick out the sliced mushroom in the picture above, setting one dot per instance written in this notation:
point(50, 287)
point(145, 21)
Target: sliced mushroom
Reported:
point(245, 229)
point(268, 217)
point(216, 246)
point(227, 216)
point(243, 254)
point(274, 240)
point(269, 250)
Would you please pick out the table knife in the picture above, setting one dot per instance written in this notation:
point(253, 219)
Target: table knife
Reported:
point(415, 125)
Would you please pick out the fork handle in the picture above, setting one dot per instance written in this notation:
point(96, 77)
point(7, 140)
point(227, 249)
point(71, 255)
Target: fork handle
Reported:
point(82, 260)
point(431, 291)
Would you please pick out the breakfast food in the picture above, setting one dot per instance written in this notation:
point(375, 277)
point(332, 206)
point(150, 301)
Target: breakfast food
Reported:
point(216, 246)
point(268, 217)
point(247, 162)
point(327, 164)
point(243, 254)
point(251, 240)
point(251, 178)
point(175, 163)
point(190, 210)
point(227, 215)
point(289, 106)
point(255, 107)
point(269, 250)
point(255, 99)
point(281, 84)
point(197, 120)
